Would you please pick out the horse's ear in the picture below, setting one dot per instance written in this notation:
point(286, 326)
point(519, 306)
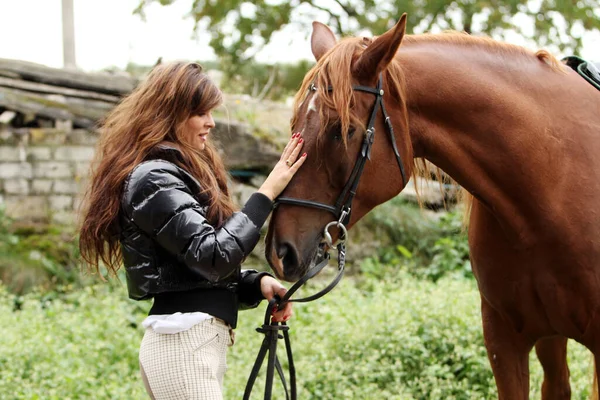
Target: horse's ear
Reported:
point(381, 51)
point(321, 40)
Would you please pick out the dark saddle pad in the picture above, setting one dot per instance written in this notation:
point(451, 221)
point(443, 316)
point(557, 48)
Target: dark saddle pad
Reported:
point(589, 71)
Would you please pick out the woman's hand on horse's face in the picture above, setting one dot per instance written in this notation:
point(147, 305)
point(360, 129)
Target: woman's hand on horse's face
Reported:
point(270, 287)
point(286, 167)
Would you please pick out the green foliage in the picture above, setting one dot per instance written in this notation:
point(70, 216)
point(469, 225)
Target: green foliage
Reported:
point(46, 257)
point(400, 222)
point(450, 252)
point(78, 345)
point(409, 238)
point(275, 82)
point(239, 28)
point(412, 339)
point(257, 25)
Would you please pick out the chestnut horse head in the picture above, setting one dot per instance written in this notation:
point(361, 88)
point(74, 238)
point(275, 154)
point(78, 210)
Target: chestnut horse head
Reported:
point(350, 169)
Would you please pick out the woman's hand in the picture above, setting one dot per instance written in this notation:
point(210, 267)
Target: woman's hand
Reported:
point(285, 168)
point(270, 287)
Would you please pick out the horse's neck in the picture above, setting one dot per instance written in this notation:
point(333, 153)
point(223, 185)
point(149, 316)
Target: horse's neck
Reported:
point(475, 120)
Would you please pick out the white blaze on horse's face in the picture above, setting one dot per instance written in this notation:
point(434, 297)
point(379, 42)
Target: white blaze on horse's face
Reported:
point(312, 106)
point(312, 97)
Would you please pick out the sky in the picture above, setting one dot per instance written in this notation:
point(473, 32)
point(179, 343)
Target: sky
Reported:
point(108, 35)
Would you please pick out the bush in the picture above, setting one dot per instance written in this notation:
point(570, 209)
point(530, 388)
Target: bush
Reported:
point(424, 244)
point(367, 339)
point(451, 251)
point(80, 345)
point(43, 257)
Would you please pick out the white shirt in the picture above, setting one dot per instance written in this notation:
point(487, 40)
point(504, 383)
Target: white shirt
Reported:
point(174, 323)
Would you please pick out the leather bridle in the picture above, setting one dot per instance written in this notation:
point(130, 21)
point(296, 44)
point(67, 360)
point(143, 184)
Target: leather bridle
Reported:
point(343, 206)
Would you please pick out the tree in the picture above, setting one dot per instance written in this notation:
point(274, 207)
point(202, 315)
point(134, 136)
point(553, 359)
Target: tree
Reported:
point(239, 28)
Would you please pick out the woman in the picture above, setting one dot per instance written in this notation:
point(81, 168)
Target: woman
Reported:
point(158, 203)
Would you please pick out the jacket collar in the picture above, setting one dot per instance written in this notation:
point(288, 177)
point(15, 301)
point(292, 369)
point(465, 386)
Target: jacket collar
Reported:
point(167, 151)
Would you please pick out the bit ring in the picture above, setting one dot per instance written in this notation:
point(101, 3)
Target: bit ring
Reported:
point(328, 240)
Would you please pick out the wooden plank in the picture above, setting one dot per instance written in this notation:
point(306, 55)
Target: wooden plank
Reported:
point(84, 113)
point(48, 89)
point(116, 85)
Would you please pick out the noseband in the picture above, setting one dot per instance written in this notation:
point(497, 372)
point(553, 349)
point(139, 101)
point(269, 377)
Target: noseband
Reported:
point(343, 206)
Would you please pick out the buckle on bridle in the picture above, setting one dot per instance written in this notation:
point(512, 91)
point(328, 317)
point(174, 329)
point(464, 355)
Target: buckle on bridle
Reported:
point(368, 143)
point(345, 213)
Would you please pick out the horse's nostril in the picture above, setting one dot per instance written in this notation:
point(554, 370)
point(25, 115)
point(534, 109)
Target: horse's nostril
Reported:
point(282, 250)
point(286, 253)
point(290, 261)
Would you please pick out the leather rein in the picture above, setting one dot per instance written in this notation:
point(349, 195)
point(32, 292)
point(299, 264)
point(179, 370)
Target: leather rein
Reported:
point(341, 210)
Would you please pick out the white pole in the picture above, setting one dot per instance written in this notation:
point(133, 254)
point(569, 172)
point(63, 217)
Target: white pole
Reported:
point(68, 28)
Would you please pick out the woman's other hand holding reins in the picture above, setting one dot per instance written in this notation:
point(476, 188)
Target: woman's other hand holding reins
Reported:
point(270, 287)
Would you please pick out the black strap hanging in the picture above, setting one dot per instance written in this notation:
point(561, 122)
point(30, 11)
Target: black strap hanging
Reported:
point(274, 331)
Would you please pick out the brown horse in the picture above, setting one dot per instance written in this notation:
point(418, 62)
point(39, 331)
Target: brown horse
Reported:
point(516, 129)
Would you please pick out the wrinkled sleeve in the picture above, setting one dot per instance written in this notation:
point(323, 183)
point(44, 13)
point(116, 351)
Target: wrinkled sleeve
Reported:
point(161, 205)
point(249, 293)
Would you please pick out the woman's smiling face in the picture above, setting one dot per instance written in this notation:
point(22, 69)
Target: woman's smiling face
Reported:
point(197, 128)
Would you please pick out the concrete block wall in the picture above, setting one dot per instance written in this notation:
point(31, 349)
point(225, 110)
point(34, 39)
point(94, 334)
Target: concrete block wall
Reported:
point(42, 172)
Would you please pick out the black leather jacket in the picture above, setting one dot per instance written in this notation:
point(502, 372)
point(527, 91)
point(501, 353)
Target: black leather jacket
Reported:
point(169, 247)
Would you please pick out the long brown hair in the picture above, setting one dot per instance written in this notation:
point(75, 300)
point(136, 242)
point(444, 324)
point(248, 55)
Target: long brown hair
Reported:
point(154, 112)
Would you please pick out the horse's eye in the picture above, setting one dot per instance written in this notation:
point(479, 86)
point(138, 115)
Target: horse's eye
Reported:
point(338, 133)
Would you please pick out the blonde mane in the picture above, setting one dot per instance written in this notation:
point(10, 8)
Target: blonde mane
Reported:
point(326, 73)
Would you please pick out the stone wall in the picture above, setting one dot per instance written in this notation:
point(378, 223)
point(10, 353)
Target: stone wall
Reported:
point(42, 171)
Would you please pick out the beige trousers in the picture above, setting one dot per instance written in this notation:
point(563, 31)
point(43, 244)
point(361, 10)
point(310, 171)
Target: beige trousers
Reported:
point(186, 365)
